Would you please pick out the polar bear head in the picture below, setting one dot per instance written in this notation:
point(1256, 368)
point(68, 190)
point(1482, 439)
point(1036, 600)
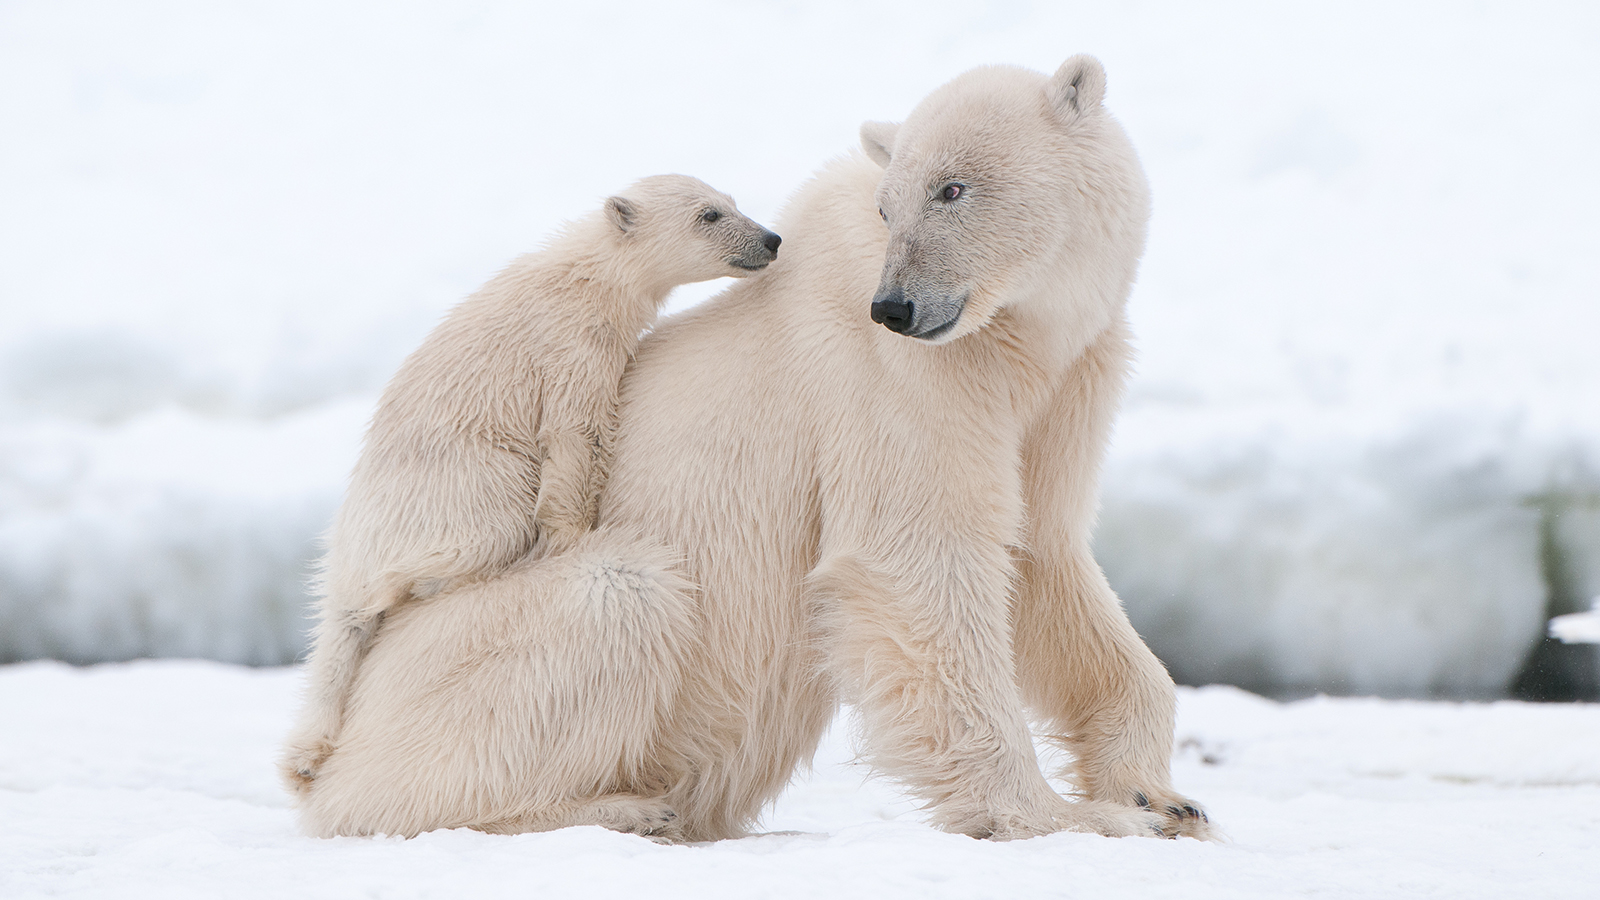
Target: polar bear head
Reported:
point(682, 230)
point(1005, 188)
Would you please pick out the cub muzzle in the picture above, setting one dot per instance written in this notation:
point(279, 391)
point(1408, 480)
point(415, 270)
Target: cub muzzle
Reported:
point(760, 252)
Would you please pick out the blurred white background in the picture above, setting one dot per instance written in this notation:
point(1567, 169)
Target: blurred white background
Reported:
point(1361, 452)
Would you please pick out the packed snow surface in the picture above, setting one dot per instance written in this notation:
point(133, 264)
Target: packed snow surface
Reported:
point(1361, 451)
point(155, 779)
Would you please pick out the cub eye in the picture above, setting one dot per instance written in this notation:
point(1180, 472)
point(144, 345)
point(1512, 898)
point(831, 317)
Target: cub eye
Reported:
point(710, 215)
point(883, 215)
point(952, 192)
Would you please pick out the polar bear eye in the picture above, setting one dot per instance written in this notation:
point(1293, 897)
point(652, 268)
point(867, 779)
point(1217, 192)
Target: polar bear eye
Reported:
point(883, 215)
point(710, 215)
point(952, 192)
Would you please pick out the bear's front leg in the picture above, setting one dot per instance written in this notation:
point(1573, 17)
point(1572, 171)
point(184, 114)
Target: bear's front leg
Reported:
point(924, 652)
point(1081, 666)
point(1085, 670)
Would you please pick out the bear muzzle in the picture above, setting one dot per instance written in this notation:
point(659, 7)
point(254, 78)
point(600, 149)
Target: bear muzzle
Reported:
point(893, 311)
point(927, 321)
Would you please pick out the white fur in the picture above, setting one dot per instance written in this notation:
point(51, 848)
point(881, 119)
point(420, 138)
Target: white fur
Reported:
point(492, 441)
point(855, 514)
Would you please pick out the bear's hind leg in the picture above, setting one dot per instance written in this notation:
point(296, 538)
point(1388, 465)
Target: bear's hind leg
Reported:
point(496, 704)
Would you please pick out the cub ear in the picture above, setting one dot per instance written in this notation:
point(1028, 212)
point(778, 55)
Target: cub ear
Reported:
point(877, 138)
point(1077, 87)
point(621, 213)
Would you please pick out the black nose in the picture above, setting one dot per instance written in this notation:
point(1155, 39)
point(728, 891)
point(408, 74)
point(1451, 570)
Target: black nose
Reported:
point(771, 242)
point(892, 310)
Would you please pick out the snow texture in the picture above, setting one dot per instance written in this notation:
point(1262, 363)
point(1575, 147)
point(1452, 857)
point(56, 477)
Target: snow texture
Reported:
point(1361, 451)
point(154, 779)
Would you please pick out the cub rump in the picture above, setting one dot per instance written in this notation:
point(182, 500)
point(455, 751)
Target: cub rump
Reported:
point(493, 440)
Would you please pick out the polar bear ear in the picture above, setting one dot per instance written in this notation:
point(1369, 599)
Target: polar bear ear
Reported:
point(621, 213)
point(1077, 87)
point(877, 138)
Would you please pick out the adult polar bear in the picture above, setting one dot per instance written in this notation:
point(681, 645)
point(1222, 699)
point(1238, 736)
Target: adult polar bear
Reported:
point(805, 505)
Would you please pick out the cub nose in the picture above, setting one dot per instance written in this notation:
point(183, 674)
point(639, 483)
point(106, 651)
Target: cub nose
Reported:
point(771, 242)
point(892, 310)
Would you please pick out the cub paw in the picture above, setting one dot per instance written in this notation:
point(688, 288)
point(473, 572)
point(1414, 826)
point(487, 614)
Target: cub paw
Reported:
point(301, 762)
point(557, 538)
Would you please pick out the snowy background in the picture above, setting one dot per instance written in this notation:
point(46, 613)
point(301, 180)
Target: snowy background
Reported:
point(1361, 453)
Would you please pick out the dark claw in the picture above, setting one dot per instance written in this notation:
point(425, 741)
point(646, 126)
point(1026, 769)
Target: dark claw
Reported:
point(1174, 812)
point(1141, 799)
point(1195, 813)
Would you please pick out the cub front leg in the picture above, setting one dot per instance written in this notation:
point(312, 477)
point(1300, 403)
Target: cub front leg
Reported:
point(568, 486)
point(342, 639)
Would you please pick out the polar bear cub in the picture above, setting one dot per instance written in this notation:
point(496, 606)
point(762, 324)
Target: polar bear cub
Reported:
point(494, 437)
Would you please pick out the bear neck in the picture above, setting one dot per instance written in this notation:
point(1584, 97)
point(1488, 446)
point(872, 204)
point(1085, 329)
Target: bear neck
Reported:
point(622, 278)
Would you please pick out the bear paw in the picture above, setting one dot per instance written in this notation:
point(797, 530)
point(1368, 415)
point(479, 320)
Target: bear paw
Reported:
point(1111, 820)
point(647, 817)
point(301, 762)
point(556, 538)
point(1180, 816)
point(659, 824)
point(1084, 816)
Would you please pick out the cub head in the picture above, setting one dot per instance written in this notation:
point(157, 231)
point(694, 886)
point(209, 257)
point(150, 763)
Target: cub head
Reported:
point(686, 231)
point(1006, 188)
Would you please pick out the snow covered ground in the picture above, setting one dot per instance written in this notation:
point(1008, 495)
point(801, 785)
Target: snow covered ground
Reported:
point(1362, 452)
point(154, 779)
